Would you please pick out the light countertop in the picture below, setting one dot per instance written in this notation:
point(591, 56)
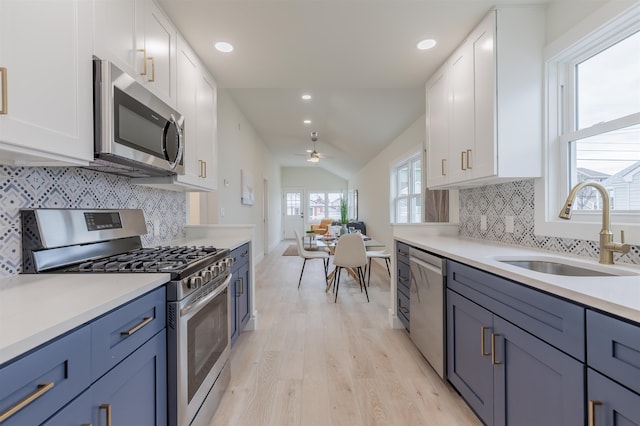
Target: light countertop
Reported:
point(619, 295)
point(37, 308)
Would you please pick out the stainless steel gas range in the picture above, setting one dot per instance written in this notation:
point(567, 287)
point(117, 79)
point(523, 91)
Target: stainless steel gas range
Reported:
point(198, 302)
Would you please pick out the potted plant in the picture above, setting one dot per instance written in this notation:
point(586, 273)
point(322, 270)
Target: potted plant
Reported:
point(344, 207)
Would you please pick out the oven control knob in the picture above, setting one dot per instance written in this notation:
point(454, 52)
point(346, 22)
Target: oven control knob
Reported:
point(206, 275)
point(194, 283)
point(215, 270)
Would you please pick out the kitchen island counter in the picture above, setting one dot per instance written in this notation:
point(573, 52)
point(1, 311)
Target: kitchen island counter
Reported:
point(37, 308)
point(618, 295)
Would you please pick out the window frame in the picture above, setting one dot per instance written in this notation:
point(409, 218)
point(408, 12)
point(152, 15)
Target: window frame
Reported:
point(408, 161)
point(589, 37)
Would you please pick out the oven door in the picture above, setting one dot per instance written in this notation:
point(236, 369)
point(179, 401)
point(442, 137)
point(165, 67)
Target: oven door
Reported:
point(198, 350)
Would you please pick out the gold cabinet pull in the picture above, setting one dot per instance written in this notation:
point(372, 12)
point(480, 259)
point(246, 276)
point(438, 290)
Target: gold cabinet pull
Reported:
point(200, 172)
point(468, 159)
point(153, 69)
point(41, 390)
point(144, 61)
point(204, 175)
point(4, 109)
point(482, 346)
point(107, 408)
point(592, 412)
point(144, 322)
point(463, 154)
point(493, 349)
point(443, 164)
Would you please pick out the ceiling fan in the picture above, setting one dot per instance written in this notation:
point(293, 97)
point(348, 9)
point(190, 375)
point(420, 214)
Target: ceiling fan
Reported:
point(314, 155)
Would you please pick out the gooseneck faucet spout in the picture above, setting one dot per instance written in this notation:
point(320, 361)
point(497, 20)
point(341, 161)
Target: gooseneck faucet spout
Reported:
point(607, 245)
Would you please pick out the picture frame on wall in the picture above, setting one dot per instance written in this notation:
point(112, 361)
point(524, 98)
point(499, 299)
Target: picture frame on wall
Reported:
point(246, 179)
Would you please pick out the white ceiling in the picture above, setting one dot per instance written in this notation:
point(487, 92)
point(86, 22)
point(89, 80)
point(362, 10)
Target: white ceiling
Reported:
point(357, 58)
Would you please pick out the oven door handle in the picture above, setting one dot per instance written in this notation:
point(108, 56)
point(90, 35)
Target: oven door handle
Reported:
point(198, 304)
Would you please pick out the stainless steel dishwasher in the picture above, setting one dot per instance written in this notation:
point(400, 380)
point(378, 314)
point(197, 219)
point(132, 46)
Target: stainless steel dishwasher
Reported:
point(426, 306)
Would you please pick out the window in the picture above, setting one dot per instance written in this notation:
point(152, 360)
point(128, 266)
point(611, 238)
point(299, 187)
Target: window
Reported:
point(602, 136)
point(406, 184)
point(593, 125)
point(324, 205)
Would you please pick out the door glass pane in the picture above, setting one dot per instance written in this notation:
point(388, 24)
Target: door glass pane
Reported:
point(334, 205)
point(608, 84)
point(293, 203)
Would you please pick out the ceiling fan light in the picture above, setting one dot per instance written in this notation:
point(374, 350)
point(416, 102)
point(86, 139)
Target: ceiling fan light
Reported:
point(313, 159)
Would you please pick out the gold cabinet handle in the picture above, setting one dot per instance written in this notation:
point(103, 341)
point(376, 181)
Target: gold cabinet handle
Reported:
point(482, 346)
point(463, 161)
point(592, 412)
point(41, 390)
point(153, 69)
point(468, 159)
point(107, 408)
point(241, 287)
point(86, 424)
point(144, 61)
point(144, 322)
point(443, 164)
point(204, 175)
point(493, 349)
point(4, 109)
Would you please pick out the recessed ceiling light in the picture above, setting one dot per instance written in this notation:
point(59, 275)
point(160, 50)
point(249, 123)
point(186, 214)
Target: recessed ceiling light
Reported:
point(426, 44)
point(224, 47)
point(306, 96)
point(307, 121)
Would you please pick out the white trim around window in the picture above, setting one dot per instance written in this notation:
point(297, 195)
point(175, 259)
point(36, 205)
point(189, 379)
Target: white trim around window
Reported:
point(606, 26)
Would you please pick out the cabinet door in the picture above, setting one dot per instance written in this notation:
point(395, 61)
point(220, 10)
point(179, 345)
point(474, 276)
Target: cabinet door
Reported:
point(535, 383)
point(438, 129)
point(234, 325)
point(207, 122)
point(135, 391)
point(119, 34)
point(160, 46)
point(45, 49)
point(74, 414)
point(482, 158)
point(243, 295)
point(611, 404)
point(462, 114)
point(187, 70)
point(469, 368)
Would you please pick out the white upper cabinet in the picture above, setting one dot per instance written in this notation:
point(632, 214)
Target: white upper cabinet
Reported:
point(138, 37)
point(197, 102)
point(46, 82)
point(484, 106)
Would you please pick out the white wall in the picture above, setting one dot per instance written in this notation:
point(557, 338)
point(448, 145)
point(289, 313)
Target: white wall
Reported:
point(241, 148)
point(312, 179)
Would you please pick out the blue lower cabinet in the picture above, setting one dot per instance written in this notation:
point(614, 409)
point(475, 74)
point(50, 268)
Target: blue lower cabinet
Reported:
point(534, 383)
point(508, 376)
point(469, 366)
point(611, 404)
point(240, 287)
point(135, 391)
point(74, 414)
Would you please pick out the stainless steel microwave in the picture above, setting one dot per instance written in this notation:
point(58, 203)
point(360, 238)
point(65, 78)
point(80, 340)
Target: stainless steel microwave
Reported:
point(136, 134)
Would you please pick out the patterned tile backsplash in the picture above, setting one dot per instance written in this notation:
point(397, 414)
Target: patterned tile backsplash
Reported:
point(73, 187)
point(516, 199)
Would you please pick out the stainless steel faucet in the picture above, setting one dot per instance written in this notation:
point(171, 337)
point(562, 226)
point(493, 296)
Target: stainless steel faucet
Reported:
point(607, 245)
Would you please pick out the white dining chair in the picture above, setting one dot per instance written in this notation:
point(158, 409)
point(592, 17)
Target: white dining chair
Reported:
point(350, 253)
point(309, 254)
point(377, 254)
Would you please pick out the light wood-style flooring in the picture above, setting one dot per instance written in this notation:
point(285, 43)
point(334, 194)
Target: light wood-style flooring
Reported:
point(315, 362)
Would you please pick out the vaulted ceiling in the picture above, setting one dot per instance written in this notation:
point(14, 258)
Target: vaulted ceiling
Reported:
point(356, 58)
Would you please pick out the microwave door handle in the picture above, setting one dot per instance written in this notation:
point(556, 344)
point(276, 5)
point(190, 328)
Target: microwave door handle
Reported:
point(179, 154)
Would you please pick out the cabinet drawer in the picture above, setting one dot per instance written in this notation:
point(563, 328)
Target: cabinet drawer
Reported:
point(57, 373)
point(120, 332)
point(403, 305)
point(551, 319)
point(404, 275)
point(240, 256)
point(613, 348)
point(402, 251)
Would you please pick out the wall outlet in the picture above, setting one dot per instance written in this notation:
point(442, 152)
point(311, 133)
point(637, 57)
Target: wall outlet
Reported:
point(508, 224)
point(156, 227)
point(483, 222)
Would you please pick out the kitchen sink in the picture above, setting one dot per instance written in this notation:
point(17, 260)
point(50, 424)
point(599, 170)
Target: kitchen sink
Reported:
point(555, 267)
